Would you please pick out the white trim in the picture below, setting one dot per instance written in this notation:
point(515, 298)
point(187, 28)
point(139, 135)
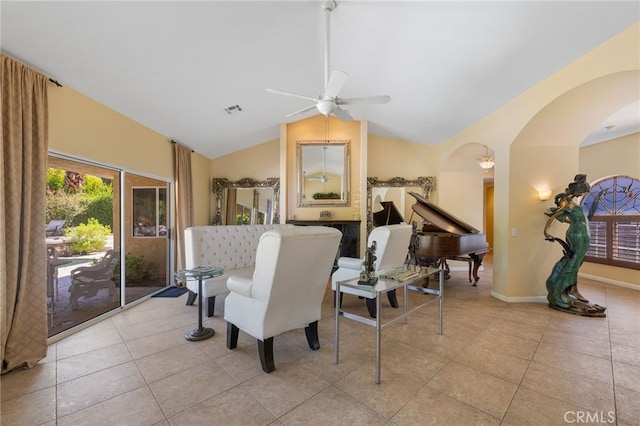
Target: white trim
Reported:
point(526, 299)
point(609, 281)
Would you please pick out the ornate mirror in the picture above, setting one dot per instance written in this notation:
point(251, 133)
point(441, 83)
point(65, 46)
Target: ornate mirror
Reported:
point(323, 173)
point(381, 193)
point(246, 202)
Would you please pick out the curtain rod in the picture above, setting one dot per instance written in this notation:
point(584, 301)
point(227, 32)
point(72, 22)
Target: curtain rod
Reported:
point(55, 82)
point(174, 142)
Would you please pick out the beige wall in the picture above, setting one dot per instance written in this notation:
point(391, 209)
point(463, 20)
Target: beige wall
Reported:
point(82, 128)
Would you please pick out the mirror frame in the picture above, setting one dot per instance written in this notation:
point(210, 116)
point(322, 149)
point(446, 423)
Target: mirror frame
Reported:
point(346, 181)
point(426, 183)
point(220, 184)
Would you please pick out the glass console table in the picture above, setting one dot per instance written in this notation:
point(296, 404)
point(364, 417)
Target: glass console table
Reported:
point(405, 279)
point(199, 273)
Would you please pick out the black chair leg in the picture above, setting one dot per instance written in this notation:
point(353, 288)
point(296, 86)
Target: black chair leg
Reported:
point(371, 307)
point(211, 304)
point(334, 298)
point(392, 298)
point(191, 297)
point(311, 331)
point(232, 336)
point(265, 349)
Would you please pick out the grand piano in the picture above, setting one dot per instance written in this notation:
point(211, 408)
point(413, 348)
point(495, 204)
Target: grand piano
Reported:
point(444, 236)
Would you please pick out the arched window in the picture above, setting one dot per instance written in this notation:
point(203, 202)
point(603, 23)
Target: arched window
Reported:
point(615, 225)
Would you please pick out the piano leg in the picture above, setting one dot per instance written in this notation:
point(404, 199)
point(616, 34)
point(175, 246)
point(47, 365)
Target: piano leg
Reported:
point(477, 261)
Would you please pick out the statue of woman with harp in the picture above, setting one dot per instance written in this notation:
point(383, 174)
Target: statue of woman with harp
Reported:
point(562, 284)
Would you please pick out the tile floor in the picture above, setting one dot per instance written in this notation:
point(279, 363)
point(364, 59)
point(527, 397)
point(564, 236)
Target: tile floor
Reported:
point(496, 364)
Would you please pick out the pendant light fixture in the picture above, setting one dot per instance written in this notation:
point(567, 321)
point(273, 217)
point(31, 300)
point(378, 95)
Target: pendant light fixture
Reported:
point(486, 161)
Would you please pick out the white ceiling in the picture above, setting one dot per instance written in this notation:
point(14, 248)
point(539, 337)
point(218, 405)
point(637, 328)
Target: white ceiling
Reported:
point(175, 66)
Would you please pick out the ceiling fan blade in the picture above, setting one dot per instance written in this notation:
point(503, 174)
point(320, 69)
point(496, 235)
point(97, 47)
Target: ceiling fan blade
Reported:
point(365, 100)
point(342, 114)
point(336, 81)
point(301, 111)
point(293, 95)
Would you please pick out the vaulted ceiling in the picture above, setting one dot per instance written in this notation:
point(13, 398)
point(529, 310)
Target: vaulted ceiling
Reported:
point(176, 66)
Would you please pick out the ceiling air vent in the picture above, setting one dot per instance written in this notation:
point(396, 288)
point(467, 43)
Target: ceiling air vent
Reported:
point(233, 109)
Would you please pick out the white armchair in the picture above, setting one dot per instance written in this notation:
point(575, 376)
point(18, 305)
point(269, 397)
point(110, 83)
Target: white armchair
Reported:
point(392, 246)
point(292, 270)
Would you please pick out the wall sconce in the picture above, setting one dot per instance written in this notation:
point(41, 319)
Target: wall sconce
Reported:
point(544, 194)
point(486, 161)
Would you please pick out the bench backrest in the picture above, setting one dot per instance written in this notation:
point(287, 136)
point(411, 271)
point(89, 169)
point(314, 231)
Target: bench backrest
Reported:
point(228, 247)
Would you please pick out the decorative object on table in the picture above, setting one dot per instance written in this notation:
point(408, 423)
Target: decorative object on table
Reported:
point(325, 214)
point(199, 273)
point(562, 284)
point(391, 251)
point(368, 274)
point(414, 243)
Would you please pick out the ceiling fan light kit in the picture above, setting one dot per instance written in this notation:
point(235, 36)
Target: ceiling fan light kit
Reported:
point(328, 102)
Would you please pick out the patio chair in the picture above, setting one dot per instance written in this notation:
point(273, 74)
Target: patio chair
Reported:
point(54, 227)
point(87, 280)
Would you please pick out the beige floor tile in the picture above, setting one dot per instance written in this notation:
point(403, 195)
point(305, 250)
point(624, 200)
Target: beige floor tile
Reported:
point(25, 381)
point(332, 407)
point(283, 389)
point(94, 388)
point(234, 407)
point(586, 345)
point(392, 393)
point(626, 336)
point(508, 344)
point(594, 328)
point(470, 386)
point(156, 343)
point(627, 376)
point(566, 386)
point(90, 362)
point(79, 344)
point(419, 365)
point(627, 406)
point(626, 354)
point(34, 408)
point(321, 363)
point(137, 407)
point(533, 315)
point(163, 364)
point(430, 407)
point(205, 381)
point(516, 328)
point(242, 363)
point(143, 329)
point(495, 363)
point(574, 362)
point(441, 345)
point(530, 408)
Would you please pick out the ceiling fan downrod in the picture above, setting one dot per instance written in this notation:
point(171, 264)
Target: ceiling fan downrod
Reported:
point(328, 7)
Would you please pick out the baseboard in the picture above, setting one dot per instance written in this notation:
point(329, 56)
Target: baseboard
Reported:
point(609, 281)
point(526, 299)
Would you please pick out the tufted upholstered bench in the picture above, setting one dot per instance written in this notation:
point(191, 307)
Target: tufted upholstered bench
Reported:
point(231, 247)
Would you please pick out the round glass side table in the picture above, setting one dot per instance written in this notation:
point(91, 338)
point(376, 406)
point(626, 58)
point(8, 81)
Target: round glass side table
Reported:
point(199, 273)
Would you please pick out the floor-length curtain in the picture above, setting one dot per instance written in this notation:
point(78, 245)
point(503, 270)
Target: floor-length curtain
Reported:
point(23, 295)
point(184, 198)
point(231, 214)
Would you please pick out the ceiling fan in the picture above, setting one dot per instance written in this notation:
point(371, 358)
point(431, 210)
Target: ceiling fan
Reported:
point(328, 102)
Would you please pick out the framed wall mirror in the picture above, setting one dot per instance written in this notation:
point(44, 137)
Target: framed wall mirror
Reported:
point(388, 199)
point(323, 173)
point(246, 202)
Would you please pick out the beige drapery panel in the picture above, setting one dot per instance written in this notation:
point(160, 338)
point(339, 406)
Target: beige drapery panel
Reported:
point(184, 198)
point(23, 309)
point(231, 214)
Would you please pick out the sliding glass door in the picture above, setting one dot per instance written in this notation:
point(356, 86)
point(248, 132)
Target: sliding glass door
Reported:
point(107, 240)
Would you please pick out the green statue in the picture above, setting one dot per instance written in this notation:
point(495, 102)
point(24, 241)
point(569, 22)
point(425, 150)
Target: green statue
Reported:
point(562, 284)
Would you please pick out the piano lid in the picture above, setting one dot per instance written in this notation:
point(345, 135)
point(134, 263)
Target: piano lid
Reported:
point(440, 218)
point(389, 215)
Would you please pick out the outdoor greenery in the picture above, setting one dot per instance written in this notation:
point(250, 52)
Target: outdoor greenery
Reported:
point(88, 238)
point(137, 270)
point(94, 200)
